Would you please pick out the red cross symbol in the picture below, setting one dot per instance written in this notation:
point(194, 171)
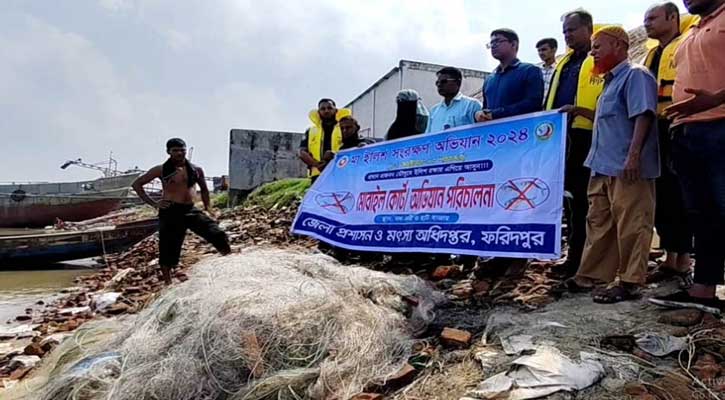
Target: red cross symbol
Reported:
point(338, 203)
point(521, 194)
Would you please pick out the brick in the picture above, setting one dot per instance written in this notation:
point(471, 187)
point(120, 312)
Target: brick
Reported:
point(403, 377)
point(481, 288)
point(444, 272)
point(34, 349)
point(684, 318)
point(455, 337)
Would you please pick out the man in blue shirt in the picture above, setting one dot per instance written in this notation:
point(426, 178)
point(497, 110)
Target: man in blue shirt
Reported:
point(515, 87)
point(455, 109)
point(624, 159)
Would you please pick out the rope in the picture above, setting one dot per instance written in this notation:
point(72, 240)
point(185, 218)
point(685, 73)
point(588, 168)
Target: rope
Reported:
point(103, 247)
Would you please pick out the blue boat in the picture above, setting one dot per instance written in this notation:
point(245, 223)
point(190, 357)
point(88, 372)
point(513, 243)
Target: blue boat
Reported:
point(20, 251)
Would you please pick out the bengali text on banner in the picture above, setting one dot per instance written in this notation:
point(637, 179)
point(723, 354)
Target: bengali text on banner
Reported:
point(493, 189)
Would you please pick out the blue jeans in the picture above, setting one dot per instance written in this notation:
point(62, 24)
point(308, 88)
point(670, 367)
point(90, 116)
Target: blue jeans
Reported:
point(698, 156)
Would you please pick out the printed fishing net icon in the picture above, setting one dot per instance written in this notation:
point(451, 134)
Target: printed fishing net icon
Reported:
point(336, 202)
point(522, 194)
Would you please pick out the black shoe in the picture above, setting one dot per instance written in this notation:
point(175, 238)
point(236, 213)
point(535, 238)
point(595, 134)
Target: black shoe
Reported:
point(682, 299)
point(565, 270)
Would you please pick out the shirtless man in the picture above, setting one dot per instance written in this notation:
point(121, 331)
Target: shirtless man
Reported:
point(176, 208)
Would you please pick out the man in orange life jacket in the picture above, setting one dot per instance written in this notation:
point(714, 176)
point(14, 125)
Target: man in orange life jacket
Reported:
point(662, 23)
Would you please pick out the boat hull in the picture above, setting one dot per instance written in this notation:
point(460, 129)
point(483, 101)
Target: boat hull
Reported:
point(81, 187)
point(33, 211)
point(42, 249)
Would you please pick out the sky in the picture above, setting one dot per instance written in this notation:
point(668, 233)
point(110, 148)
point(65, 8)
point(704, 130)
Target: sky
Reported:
point(84, 78)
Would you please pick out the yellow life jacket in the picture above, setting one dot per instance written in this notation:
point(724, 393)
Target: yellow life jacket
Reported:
point(316, 136)
point(666, 72)
point(588, 89)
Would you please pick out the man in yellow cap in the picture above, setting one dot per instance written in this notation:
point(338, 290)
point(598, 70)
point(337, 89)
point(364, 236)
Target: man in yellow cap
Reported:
point(624, 159)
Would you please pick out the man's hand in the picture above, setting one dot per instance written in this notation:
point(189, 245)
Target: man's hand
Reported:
point(483, 116)
point(575, 111)
point(328, 156)
point(570, 109)
point(160, 205)
point(702, 100)
point(631, 170)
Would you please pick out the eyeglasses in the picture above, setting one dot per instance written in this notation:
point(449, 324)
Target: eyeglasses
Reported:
point(495, 43)
point(445, 80)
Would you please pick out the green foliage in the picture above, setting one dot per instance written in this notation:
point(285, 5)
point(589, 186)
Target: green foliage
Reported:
point(220, 200)
point(279, 194)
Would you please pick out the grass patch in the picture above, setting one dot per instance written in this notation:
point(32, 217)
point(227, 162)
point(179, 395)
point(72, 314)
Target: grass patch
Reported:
point(279, 194)
point(220, 200)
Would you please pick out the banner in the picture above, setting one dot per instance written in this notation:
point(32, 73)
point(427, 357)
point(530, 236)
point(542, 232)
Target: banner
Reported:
point(491, 189)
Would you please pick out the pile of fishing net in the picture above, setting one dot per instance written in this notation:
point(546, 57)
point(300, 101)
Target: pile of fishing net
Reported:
point(266, 324)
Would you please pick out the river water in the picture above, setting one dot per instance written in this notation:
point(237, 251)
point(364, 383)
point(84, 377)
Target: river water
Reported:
point(23, 289)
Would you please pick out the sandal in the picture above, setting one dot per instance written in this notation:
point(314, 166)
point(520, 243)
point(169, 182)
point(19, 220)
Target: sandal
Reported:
point(570, 285)
point(615, 294)
point(662, 273)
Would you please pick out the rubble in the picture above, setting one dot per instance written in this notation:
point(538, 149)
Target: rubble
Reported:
point(685, 318)
point(23, 362)
point(455, 337)
point(130, 281)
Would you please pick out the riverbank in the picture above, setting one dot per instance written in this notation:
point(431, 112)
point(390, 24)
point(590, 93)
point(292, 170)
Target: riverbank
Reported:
point(22, 290)
point(490, 320)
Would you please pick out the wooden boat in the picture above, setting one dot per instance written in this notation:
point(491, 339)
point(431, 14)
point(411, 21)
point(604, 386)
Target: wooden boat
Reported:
point(39, 204)
point(41, 249)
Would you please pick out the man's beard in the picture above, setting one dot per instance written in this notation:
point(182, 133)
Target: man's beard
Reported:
point(605, 64)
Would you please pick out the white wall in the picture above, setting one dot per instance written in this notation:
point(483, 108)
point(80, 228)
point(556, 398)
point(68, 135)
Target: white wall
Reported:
point(362, 110)
point(385, 106)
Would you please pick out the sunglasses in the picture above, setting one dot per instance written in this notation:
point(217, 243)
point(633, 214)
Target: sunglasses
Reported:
point(445, 80)
point(495, 43)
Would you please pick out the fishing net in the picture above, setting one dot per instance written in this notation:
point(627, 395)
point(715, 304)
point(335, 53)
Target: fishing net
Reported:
point(268, 324)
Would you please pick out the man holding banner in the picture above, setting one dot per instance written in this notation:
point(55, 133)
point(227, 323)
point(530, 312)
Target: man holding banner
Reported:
point(490, 190)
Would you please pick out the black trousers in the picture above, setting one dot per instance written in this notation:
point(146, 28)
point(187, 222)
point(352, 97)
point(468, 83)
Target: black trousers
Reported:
point(697, 155)
point(670, 214)
point(576, 182)
point(173, 223)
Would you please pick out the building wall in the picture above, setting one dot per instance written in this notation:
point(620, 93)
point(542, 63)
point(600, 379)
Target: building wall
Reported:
point(257, 157)
point(385, 106)
point(363, 110)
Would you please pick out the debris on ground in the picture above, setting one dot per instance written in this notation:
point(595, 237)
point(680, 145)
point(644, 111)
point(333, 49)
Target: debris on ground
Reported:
point(545, 372)
point(317, 330)
point(639, 346)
